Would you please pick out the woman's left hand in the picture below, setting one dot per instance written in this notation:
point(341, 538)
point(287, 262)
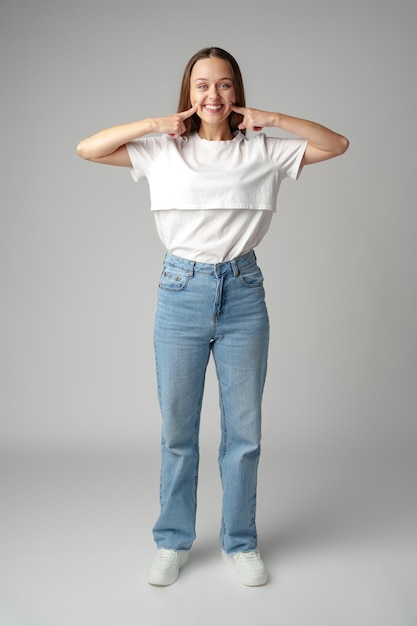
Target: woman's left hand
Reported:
point(323, 143)
point(253, 119)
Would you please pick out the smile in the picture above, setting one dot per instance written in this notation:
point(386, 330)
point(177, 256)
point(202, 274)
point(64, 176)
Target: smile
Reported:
point(213, 107)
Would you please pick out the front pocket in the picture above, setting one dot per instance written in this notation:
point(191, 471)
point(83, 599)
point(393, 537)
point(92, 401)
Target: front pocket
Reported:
point(172, 281)
point(251, 276)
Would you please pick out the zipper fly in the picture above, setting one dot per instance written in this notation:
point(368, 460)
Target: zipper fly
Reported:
point(218, 298)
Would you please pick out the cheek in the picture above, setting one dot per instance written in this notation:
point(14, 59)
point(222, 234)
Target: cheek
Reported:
point(199, 96)
point(195, 96)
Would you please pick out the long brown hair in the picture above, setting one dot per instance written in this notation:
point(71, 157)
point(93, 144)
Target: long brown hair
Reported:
point(192, 124)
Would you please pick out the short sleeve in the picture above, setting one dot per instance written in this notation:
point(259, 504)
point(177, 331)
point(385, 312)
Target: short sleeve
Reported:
point(142, 153)
point(287, 154)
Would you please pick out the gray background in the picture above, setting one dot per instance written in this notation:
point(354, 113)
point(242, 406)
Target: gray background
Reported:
point(80, 261)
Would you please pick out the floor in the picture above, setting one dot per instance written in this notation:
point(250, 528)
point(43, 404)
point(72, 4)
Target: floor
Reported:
point(339, 539)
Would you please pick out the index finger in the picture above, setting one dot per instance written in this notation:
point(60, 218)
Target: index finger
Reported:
point(237, 109)
point(190, 112)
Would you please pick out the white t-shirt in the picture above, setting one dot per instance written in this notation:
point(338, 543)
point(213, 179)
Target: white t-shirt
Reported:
point(214, 200)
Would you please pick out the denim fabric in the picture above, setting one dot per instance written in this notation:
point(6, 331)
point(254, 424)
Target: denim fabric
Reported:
point(204, 309)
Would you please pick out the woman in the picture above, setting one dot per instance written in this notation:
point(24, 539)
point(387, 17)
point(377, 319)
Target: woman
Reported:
point(213, 192)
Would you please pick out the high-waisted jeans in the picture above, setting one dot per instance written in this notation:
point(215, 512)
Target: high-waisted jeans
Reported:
point(204, 309)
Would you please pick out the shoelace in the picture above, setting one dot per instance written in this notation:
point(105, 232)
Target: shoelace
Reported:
point(249, 556)
point(166, 555)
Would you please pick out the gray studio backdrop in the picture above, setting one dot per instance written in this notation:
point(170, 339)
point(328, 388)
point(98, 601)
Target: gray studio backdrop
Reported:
point(80, 258)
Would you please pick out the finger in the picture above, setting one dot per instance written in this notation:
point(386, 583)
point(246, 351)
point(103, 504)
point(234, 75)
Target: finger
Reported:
point(180, 130)
point(186, 114)
point(237, 109)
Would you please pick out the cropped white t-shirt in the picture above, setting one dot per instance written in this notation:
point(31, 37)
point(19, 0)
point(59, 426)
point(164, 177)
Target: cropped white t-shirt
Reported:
point(214, 200)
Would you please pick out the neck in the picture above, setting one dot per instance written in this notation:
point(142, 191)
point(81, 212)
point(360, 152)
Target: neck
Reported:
point(215, 133)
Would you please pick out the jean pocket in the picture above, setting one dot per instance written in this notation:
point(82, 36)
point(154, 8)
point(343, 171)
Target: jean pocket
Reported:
point(251, 276)
point(173, 280)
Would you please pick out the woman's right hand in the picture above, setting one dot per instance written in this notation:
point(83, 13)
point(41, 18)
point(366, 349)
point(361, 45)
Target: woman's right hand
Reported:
point(109, 145)
point(173, 125)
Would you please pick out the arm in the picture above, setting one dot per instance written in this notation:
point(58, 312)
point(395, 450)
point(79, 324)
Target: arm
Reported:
point(109, 145)
point(323, 143)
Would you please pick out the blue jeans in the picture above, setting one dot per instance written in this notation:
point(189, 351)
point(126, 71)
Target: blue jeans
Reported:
point(204, 309)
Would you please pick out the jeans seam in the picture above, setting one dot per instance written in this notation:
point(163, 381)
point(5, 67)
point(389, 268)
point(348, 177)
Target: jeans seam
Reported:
point(222, 452)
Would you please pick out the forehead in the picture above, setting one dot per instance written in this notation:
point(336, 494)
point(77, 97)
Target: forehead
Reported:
point(211, 67)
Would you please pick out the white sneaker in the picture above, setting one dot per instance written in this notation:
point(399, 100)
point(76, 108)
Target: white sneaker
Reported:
point(166, 566)
point(249, 567)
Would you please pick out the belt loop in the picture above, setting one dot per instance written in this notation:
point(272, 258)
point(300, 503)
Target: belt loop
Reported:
point(235, 267)
point(190, 272)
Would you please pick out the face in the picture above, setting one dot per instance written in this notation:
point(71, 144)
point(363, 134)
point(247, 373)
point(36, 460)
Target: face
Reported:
point(211, 86)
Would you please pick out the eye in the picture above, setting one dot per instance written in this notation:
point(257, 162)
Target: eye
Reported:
point(225, 86)
point(202, 86)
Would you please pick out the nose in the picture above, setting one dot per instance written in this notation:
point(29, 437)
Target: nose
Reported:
point(213, 91)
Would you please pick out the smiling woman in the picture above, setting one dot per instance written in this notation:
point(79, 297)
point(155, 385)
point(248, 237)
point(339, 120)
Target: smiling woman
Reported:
point(213, 191)
point(211, 89)
point(211, 71)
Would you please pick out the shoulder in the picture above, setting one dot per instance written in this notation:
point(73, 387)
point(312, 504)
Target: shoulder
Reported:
point(150, 140)
point(256, 144)
point(150, 146)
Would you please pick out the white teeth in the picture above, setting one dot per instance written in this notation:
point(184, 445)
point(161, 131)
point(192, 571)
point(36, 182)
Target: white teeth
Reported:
point(213, 107)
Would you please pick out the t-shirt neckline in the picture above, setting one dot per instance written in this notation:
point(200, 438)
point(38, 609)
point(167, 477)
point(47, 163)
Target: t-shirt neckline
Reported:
point(236, 135)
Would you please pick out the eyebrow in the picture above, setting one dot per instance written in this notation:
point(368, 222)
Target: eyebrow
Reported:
point(224, 78)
